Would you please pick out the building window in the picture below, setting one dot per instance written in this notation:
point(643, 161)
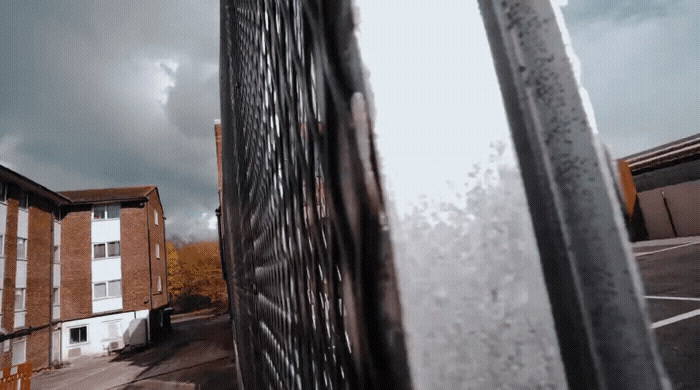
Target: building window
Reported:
point(155, 217)
point(104, 250)
point(160, 285)
point(24, 201)
point(2, 245)
point(3, 192)
point(56, 296)
point(111, 289)
point(56, 254)
point(21, 249)
point(19, 351)
point(20, 299)
point(78, 335)
point(109, 211)
point(157, 251)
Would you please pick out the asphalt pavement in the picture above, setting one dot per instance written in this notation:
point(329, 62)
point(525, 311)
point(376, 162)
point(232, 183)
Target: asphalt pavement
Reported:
point(671, 274)
point(197, 355)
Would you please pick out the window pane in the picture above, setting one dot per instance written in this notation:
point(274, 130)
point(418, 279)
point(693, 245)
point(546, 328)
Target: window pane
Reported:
point(113, 211)
point(113, 249)
point(56, 296)
point(115, 288)
point(21, 248)
point(99, 250)
point(78, 335)
point(99, 212)
point(19, 299)
point(24, 201)
point(100, 290)
point(56, 254)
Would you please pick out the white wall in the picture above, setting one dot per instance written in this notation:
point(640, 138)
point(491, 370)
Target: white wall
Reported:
point(56, 233)
point(106, 230)
point(3, 218)
point(107, 269)
point(23, 224)
point(106, 304)
point(98, 333)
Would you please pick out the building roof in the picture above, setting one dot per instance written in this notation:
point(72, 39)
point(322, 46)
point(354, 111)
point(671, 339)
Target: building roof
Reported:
point(10, 176)
point(120, 194)
point(665, 154)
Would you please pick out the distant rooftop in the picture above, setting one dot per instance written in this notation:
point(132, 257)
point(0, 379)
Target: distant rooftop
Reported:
point(120, 194)
point(26, 183)
point(665, 154)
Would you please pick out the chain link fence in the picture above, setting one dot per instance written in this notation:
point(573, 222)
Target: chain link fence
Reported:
point(313, 286)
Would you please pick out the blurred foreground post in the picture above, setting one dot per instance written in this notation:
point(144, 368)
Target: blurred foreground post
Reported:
point(591, 275)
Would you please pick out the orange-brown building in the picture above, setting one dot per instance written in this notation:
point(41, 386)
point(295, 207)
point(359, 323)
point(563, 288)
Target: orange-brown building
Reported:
point(84, 272)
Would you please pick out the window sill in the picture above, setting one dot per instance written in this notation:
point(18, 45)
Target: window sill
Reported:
point(106, 258)
point(105, 298)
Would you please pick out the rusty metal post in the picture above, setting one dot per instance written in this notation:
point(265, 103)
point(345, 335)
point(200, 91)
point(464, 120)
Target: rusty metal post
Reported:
point(591, 275)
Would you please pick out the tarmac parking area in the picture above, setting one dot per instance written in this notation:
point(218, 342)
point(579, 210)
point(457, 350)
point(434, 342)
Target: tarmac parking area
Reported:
point(671, 275)
point(196, 355)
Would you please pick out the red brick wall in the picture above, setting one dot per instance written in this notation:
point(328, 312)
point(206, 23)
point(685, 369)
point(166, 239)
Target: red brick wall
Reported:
point(134, 249)
point(76, 264)
point(8, 299)
point(39, 263)
point(38, 348)
point(158, 265)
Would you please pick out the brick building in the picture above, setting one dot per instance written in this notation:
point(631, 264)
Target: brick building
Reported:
point(83, 271)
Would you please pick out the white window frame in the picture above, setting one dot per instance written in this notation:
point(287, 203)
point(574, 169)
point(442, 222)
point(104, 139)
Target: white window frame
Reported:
point(24, 299)
point(106, 207)
point(2, 245)
point(160, 284)
point(107, 292)
point(57, 296)
point(155, 216)
point(87, 335)
point(26, 244)
point(57, 254)
point(24, 196)
point(106, 244)
point(157, 251)
point(15, 344)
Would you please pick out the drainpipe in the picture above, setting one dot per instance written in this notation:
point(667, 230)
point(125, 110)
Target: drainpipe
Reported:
point(150, 270)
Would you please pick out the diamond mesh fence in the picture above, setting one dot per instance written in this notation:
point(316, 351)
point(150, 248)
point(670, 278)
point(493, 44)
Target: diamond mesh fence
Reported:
point(305, 240)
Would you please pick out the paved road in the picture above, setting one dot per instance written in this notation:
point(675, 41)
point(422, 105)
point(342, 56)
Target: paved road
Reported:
point(197, 355)
point(671, 274)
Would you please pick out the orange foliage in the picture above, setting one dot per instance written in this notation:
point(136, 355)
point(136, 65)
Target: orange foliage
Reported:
point(195, 270)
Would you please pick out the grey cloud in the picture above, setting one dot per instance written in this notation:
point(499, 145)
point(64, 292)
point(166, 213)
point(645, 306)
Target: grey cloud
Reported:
point(641, 72)
point(79, 97)
point(583, 11)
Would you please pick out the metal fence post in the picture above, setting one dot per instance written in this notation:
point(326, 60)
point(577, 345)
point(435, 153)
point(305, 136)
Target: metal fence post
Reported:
point(591, 275)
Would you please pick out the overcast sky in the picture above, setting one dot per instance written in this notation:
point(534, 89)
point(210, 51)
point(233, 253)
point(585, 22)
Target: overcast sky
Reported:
point(119, 93)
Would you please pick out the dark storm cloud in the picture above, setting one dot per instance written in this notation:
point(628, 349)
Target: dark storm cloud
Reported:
point(96, 94)
point(640, 63)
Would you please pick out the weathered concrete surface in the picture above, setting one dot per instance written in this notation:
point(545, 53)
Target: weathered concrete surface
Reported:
point(196, 356)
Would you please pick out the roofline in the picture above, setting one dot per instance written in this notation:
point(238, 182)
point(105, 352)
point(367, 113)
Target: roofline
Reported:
point(143, 197)
point(665, 153)
point(6, 174)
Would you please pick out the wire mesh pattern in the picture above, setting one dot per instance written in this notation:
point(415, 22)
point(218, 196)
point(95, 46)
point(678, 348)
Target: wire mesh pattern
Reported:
point(305, 239)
